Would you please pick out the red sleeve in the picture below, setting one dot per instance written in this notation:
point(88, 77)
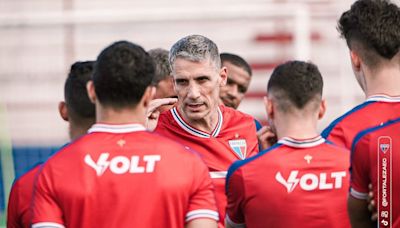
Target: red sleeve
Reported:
point(360, 169)
point(13, 216)
point(202, 201)
point(337, 137)
point(235, 194)
point(46, 211)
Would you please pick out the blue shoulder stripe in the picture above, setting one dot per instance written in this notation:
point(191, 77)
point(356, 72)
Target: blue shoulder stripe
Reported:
point(258, 124)
point(369, 130)
point(325, 133)
point(236, 165)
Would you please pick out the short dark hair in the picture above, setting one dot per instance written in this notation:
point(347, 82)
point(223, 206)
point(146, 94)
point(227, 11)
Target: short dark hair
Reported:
point(375, 26)
point(295, 83)
point(122, 73)
point(236, 60)
point(75, 94)
point(161, 64)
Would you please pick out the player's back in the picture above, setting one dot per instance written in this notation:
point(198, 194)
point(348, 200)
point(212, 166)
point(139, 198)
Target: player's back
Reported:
point(293, 184)
point(375, 110)
point(124, 177)
point(376, 160)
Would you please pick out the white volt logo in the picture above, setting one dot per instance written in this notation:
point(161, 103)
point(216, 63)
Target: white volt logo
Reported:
point(310, 181)
point(122, 164)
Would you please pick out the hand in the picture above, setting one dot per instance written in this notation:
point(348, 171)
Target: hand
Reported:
point(153, 111)
point(372, 204)
point(266, 137)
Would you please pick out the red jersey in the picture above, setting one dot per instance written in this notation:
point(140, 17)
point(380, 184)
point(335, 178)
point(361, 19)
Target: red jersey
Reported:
point(376, 160)
point(375, 110)
point(234, 138)
point(18, 213)
point(122, 176)
point(292, 184)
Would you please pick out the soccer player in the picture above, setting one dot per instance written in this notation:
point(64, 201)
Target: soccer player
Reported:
point(79, 111)
point(372, 32)
point(238, 81)
point(220, 134)
point(376, 160)
point(301, 181)
point(120, 175)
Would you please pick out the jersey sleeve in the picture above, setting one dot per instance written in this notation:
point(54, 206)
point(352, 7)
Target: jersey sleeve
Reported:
point(336, 136)
point(360, 161)
point(46, 211)
point(235, 194)
point(13, 218)
point(202, 202)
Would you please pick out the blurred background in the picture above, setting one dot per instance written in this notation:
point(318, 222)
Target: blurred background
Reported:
point(40, 39)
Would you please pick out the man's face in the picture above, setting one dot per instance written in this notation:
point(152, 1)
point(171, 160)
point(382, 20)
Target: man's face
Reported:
point(237, 84)
point(197, 85)
point(165, 89)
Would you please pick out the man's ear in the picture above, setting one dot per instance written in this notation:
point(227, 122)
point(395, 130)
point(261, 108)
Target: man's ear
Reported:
point(91, 91)
point(355, 61)
point(223, 73)
point(63, 110)
point(322, 109)
point(269, 107)
point(148, 95)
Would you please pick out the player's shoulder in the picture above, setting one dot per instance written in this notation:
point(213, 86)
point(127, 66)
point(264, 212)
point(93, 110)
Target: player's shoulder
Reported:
point(356, 113)
point(384, 129)
point(27, 177)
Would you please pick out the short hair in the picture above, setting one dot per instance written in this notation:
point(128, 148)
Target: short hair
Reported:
point(122, 73)
point(372, 27)
point(195, 48)
point(237, 61)
point(161, 64)
point(295, 83)
point(75, 94)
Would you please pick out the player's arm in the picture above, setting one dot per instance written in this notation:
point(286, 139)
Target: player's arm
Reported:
point(12, 209)
point(235, 194)
point(202, 211)
point(202, 223)
point(359, 213)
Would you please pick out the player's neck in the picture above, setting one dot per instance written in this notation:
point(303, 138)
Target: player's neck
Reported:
point(295, 127)
point(120, 116)
point(206, 124)
point(385, 81)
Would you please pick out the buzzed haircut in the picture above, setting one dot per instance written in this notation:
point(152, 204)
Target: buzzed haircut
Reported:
point(237, 61)
point(161, 64)
point(75, 94)
point(122, 73)
point(295, 84)
point(372, 27)
point(195, 48)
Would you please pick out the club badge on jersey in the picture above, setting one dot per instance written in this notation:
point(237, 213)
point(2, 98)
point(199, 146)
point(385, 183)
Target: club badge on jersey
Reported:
point(239, 146)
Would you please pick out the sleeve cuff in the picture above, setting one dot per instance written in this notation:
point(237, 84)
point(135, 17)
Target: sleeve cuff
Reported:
point(358, 195)
point(47, 225)
point(201, 213)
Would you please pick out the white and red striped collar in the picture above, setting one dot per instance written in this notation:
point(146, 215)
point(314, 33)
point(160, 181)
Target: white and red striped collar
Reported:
point(185, 126)
point(383, 98)
point(116, 128)
point(302, 143)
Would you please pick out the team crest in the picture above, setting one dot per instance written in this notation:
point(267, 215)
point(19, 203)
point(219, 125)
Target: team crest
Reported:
point(239, 146)
point(384, 143)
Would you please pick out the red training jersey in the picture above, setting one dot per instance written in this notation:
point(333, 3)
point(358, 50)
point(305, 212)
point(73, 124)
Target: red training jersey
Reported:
point(234, 138)
point(295, 183)
point(376, 160)
point(122, 176)
point(19, 214)
point(375, 110)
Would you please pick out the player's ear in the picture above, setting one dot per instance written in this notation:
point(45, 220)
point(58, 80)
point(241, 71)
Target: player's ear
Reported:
point(148, 95)
point(355, 61)
point(269, 108)
point(223, 73)
point(63, 110)
point(91, 91)
point(322, 109)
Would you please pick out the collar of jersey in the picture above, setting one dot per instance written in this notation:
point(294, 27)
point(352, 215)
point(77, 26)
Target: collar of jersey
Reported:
point(185, 126)
point(116, 128)
point(302, 143)
point(383, 98)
